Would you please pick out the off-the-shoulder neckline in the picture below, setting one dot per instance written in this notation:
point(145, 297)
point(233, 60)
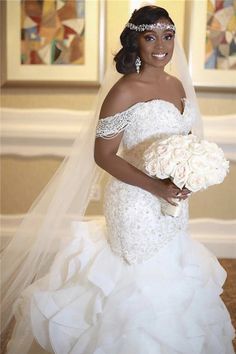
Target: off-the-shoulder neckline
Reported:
point(184, 99)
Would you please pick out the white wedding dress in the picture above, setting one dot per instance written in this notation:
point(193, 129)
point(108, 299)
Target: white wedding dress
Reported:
point(140, 284)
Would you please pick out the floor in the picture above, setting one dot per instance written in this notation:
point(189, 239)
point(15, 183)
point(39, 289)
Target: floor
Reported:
point(228, 296)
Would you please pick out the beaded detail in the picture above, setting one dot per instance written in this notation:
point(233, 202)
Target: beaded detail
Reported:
point(149, 27)
point(137, 229)
point(110, 127)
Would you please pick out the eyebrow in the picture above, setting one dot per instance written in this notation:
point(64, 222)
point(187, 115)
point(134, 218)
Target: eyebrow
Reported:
point(168, 29)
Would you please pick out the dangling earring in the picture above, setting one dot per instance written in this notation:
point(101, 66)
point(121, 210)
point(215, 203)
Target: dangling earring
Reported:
point(138, 64)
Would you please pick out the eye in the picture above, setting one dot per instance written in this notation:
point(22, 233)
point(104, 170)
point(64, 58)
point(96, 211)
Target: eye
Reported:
point(169, 36)
point(149, 38)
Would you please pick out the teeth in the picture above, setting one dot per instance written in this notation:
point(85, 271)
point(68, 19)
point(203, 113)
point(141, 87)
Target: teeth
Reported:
point(159, 55)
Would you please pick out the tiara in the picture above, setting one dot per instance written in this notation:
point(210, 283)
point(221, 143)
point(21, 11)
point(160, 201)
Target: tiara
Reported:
point(146, 27)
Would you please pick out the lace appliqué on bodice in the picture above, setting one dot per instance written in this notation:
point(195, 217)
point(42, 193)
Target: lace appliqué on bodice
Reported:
point(137, 229)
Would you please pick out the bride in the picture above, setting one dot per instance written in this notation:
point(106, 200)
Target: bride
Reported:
point(142, 285)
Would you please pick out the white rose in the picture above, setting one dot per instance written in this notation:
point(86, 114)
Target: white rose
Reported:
point(216, 176)
point(178, 142)
point(198, 163)
point(212, 148)
point(221, 175)
point(197, 149)
point(215, 161)
point(180, 175)
point(163, 149)
point(165, 168)
point(149, 154)
point(180, 154)
point(195, 182)
point(151, 167)
point(211, 178)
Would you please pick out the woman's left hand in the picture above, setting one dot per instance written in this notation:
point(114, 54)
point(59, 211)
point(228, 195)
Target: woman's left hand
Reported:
point(183, 194)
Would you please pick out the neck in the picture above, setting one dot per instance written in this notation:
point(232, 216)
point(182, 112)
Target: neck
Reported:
point(152, 74)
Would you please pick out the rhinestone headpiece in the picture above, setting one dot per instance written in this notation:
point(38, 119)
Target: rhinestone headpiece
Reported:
point(145, 27)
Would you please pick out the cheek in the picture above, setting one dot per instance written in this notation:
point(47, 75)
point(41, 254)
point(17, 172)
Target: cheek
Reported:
point(145, 49)
point(170, 46)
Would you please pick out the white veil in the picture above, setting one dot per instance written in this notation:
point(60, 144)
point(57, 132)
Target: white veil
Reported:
point(46, 227)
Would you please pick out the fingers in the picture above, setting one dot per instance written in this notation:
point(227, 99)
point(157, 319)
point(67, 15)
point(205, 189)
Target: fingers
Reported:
point(183, 197)
point(171, 201)
point(171, 192)
point(186, 190)
point(183, 194)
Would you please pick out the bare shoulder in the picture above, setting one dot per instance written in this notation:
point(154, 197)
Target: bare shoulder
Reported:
point(119, 98)
point(177, 84)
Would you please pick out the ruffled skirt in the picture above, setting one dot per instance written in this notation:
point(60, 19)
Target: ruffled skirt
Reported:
point(93, 302)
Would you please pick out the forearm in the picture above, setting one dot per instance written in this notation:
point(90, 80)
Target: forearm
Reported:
point(127, 173)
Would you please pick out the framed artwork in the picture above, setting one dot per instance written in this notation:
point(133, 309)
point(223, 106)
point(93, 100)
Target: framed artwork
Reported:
point(58, 42)
point(211, 43)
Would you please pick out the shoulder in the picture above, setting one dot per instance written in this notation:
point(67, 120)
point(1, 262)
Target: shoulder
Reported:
point(177, 85)
point(119, 98)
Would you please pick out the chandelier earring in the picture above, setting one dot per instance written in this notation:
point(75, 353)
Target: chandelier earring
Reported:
point(138, 64)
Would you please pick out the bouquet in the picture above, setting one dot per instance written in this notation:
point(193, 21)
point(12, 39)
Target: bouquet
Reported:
point(188, 161)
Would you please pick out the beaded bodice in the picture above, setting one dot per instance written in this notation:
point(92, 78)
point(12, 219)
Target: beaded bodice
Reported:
point(144, 123)
point(137, 229)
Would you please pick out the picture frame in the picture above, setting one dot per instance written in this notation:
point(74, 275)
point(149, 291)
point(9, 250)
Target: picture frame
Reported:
point(195, 39)
point(90, 73)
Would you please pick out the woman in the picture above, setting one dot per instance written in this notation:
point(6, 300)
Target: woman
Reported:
point(148, 288)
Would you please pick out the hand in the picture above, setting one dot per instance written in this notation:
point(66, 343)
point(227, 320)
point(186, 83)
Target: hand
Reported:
point(184, 194)
point(167, 190)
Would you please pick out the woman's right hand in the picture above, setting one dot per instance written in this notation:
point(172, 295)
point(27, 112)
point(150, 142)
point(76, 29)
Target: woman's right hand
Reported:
point(167, 190)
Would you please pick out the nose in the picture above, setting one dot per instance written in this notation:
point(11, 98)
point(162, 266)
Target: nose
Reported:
point(159, 42)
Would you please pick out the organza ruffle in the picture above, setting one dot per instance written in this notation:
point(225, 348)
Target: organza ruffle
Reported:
point(93, 302)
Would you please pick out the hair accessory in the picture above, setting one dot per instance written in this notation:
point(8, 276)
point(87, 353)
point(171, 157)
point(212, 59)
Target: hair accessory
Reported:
point(138, 64)
point(147, 27)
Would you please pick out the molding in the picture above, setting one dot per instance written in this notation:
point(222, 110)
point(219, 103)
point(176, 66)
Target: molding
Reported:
point(219, 236)
point(36, 132)
point(221, 130)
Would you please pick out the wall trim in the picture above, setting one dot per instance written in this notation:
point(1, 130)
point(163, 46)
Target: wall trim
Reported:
point(219, 236)
point(36, 132)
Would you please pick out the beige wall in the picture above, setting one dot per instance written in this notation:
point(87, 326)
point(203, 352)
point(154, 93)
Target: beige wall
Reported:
point(23, 178)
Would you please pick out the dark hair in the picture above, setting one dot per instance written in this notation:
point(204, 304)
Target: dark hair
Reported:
point(125, 58)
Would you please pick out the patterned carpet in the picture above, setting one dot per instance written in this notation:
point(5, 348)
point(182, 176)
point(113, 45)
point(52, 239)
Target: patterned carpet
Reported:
point(228, 296)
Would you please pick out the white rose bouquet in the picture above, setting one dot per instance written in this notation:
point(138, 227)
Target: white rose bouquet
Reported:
point(188, 161)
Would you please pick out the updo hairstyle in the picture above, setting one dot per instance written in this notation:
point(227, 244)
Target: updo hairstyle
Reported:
point(125, 58)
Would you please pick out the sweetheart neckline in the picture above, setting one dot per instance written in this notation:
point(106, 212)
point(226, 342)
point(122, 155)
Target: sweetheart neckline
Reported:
point(184, 99)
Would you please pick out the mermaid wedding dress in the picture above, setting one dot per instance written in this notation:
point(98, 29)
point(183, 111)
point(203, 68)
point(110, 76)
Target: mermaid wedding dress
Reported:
point(140, 285)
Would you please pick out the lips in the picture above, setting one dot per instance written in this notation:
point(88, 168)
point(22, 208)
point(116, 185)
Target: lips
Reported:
point(159, 55)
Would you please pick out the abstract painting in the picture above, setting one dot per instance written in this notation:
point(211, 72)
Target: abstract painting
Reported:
point(54, 42)
point(220, 45)
point(210, 43)
point(52, 32)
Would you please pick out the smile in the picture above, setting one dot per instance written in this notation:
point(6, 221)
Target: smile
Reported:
point(160, 56)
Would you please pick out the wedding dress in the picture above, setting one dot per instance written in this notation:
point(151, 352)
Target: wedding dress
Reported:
point(140, 284)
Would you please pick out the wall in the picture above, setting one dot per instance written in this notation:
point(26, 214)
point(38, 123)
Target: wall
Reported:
point(23, 178)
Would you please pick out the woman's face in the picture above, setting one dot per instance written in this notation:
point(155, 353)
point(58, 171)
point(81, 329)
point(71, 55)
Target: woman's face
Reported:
point(156, 46)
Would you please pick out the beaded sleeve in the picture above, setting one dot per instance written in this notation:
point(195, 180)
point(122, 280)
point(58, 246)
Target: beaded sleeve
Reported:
point(110, 127)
